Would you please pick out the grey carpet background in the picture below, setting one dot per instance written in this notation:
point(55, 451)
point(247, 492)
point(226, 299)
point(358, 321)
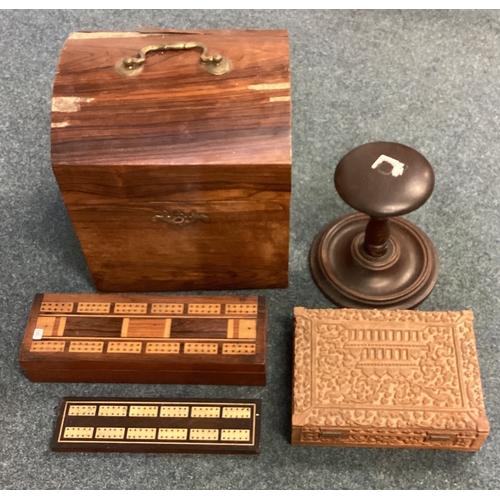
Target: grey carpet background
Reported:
point(428, 79)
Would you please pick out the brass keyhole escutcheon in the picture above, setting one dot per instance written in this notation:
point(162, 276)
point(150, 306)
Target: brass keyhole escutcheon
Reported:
point(180, 218)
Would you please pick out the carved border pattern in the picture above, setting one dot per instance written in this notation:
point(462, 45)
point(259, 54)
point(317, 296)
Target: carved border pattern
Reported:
point(302, 382)
point(473, 392)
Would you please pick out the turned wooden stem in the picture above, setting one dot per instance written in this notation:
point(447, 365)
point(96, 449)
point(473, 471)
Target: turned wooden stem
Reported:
point(377, 234)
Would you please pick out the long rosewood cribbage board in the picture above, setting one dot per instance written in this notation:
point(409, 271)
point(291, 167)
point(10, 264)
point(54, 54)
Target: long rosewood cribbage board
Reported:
point(146, 339)
point(158, 425)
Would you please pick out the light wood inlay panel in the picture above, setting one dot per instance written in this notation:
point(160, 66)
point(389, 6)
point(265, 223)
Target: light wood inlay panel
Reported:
point(53, 307)
point(163, 348)
point(47, 346)
point(204, 309)
point(83, 346)
point(167, 308)
point(46, 324)
point(167, 327)
point(248, 329)
point(241, 329)
point(241, 308)
point(93, 307)
point(61, 326)
point(230, 328)
point(238, 348)
point(130, 308)
point(147, 328)
point(121, 347)
point(124, 330)
point(200, 348)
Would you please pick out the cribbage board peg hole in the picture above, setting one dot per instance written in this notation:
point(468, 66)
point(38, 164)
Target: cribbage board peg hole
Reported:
point(376, 259)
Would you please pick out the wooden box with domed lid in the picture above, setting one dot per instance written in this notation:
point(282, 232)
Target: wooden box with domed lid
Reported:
point(172, 150)
point(392, 379)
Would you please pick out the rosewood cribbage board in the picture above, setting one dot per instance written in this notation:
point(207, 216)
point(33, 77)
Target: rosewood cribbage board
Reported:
point(388, 379)
point(146, 339)
point(175, 178)
point(158, 425)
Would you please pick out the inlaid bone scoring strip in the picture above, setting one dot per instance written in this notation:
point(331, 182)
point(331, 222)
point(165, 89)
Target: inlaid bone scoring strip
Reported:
point(238, 348)
point(93, 307)
point(241, 308)
point(47, 346)
point(187, 309)
point(55, 307)
point(204, 308)
point(86, 346)
point(82, 410)
point(143, 347)
point(165, 425)
point(167, 308)
point(128, 308)
point(142, 410)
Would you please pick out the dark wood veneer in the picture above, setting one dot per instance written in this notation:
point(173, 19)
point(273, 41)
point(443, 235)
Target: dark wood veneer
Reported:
point(120, 429)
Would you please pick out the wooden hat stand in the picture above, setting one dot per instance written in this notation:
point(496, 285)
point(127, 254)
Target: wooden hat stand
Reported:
point(377, 260)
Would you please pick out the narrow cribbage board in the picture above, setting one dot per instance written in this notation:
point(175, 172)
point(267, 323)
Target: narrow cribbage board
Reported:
point(158, 425)
point(90, 334)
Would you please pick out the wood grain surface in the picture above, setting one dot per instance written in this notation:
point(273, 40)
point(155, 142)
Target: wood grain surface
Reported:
point(128, 150)
point(146, 339)
point(174, 112)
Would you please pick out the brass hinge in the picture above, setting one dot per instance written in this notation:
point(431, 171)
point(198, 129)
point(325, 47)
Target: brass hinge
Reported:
point(331, 434)
point(439, 437)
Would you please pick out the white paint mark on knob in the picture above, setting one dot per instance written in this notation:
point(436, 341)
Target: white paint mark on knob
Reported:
point(397, 167)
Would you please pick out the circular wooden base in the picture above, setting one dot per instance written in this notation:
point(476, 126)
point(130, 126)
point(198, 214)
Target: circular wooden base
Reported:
point(349, 277)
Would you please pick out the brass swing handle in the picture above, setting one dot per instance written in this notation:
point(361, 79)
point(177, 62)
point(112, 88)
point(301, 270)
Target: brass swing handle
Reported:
point(215, 65)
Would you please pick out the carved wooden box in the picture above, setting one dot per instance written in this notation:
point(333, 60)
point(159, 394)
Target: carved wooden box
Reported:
point(176, 178)
point(405, 379)
point(146, 339)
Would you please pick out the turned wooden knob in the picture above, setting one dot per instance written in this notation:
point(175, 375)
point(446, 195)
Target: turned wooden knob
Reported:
point(379, 259)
